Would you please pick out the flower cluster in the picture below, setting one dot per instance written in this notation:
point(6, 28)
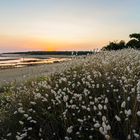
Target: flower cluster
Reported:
point(97, 97)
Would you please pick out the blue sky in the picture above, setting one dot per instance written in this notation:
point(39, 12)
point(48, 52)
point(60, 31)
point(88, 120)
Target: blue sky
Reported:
point(77, 24)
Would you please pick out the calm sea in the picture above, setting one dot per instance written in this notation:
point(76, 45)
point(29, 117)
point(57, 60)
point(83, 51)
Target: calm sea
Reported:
point(11, 62)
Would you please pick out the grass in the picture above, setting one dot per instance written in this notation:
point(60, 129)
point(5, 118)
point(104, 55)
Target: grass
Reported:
point(98, 97)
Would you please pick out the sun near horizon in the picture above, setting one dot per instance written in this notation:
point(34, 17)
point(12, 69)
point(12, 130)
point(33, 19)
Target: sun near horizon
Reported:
point(65, 25)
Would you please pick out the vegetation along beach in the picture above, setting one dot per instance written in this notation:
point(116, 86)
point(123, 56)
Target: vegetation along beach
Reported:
point(97, 97)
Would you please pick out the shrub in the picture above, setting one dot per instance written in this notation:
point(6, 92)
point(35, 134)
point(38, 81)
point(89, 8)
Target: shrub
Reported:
point(97, 98)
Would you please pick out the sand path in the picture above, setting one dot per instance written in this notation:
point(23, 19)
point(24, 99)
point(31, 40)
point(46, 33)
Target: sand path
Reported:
point(26, 73)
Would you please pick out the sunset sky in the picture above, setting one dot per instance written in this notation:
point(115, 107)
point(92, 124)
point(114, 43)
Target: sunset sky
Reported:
point(65, 24)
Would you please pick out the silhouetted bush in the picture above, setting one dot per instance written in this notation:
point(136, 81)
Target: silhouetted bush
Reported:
point(115, 45)
point(133, 43)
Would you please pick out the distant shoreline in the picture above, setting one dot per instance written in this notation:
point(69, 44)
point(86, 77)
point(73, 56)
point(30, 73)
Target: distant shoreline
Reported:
point(52, 52)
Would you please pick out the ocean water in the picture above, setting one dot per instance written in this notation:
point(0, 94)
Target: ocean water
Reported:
point(11, 62)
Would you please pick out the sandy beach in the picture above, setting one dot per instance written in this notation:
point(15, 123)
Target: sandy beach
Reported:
point(31, 72)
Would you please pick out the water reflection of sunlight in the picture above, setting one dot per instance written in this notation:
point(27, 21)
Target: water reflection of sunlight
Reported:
point(22, 62)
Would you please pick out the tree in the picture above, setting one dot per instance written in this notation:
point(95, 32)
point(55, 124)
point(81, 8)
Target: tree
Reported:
point(135, 41)
point(115, 46)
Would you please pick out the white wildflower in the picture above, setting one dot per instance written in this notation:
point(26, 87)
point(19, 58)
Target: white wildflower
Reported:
point(91, 137)
point(88, 109)
point(138, 87)
point(100, 106)
point(128, 112)
point(69, 129)
point(105, 107)
point(138, 97)
point(80, 120)
point(136, 135)
point(38, 95)
point(101, 130)
point(129, 137)
point(128, 98)
point(97, 85)
point(19, 137)
point(108, 127)
point(117, 118)
point(97, 125)
point(20, 110)
point(30, 128)
point(33, 103)
point(73, 106)
point(29, 118)
point(15, 112)
point(21, 122)
point(67, 138)
point(106, 100)
point(138, 113)
point(103, 118)
point(123, 104)
point(94, 107)
point(9, 134)
point(91, 103)
point(65, 98)
point(26, 115)
point(107, 137)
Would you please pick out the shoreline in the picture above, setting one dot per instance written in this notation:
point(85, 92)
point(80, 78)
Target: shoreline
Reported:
point(23, 74)
point(25, 62)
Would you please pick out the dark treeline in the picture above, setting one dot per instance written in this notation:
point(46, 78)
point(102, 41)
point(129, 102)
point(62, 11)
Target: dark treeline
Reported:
point(134, 42)
point(54, 53)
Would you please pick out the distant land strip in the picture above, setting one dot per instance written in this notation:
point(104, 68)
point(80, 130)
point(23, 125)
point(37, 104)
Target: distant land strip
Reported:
point(53, 52)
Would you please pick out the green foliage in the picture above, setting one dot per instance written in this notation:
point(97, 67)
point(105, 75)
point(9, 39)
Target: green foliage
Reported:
point(115, 45)
point(133, 43)
point(135, 35)
point(98, 99)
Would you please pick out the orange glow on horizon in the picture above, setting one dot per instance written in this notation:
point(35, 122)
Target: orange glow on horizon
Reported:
point(38, 44)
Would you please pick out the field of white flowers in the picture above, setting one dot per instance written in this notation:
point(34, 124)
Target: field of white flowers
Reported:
point(97, 98)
